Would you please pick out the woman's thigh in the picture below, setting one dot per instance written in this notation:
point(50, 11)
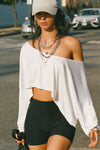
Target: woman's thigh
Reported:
point(38, 147)
point(58, 142)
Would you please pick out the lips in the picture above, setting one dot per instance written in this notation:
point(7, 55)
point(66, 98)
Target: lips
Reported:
point(43, 23)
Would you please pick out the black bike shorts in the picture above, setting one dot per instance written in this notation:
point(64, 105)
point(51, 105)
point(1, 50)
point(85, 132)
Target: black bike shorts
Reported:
point(43, 120)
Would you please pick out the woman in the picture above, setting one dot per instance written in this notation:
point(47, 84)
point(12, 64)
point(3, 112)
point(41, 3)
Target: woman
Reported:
point(53, 87)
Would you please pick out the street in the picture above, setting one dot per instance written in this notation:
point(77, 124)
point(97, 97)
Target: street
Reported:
point(9, 69)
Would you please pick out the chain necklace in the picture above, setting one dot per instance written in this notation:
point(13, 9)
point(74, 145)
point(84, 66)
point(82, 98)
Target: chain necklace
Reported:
point(46, 56)
point(49, 46)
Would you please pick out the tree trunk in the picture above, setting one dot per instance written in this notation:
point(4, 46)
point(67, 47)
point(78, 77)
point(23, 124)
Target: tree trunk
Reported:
point(68, 3)
point(69, 8)
point(87, 3)
point(75, 4)
point(15, 16)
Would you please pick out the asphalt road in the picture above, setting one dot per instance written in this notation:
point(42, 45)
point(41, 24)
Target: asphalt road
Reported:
point(9, 68)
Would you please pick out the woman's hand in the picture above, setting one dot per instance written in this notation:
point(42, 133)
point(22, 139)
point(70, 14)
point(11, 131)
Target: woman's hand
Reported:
point(94, 138)
point(20, 142)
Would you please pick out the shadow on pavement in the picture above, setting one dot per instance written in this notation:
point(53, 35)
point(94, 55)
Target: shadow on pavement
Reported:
point(9, 69)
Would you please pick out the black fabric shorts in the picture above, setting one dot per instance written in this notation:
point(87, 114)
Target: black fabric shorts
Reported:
point(43, 120)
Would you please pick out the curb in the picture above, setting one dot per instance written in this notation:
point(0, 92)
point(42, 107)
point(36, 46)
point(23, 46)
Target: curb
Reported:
point(10, 31)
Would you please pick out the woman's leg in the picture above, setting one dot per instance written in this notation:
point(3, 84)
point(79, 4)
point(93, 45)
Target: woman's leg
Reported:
point(58, 142)
point(38, 147)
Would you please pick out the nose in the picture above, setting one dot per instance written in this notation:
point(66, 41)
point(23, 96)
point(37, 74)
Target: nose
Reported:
point(43, 16)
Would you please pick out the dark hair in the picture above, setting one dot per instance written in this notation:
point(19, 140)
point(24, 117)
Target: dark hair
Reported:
point(62, 25)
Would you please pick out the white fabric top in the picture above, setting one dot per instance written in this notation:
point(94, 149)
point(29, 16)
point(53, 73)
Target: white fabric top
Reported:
point(65, 78)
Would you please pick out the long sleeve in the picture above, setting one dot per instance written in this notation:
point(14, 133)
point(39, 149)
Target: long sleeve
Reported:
point(86, 111)
point(23, 95)
point(81, 97)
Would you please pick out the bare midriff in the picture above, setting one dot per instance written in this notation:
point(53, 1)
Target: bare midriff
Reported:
point(42, 95)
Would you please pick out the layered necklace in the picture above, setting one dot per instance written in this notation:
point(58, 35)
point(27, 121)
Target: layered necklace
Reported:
point(46, 55)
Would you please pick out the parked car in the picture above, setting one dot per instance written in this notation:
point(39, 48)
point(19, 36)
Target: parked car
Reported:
point(87, 18)
point(26, 29)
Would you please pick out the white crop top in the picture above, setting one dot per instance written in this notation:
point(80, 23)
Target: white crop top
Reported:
point(65, 78)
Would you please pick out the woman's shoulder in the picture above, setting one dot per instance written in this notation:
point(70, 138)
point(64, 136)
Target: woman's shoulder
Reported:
point(69, 40)
point(75, 47)
point(24, 45)
point(25, 48)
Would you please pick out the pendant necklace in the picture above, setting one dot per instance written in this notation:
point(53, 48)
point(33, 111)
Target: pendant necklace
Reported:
point(45, 42)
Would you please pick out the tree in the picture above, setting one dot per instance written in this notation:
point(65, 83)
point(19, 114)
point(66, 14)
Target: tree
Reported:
point(13, 4)
point(75, 6)
point(68, 8)
point(68, 3)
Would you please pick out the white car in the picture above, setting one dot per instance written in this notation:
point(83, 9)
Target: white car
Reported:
point(26, 29)
point(87, 18)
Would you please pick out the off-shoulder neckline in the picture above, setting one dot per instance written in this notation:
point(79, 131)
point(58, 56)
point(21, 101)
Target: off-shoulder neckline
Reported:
point(59, 57)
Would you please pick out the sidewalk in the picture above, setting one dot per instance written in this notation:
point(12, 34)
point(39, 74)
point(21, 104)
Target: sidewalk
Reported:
point(14, 146)
point(10, 31)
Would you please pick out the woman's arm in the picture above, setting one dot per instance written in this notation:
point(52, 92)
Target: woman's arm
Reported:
point(23, 100)
point(77, 54)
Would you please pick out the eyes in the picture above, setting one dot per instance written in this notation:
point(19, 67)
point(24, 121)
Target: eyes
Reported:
point(43, 14)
